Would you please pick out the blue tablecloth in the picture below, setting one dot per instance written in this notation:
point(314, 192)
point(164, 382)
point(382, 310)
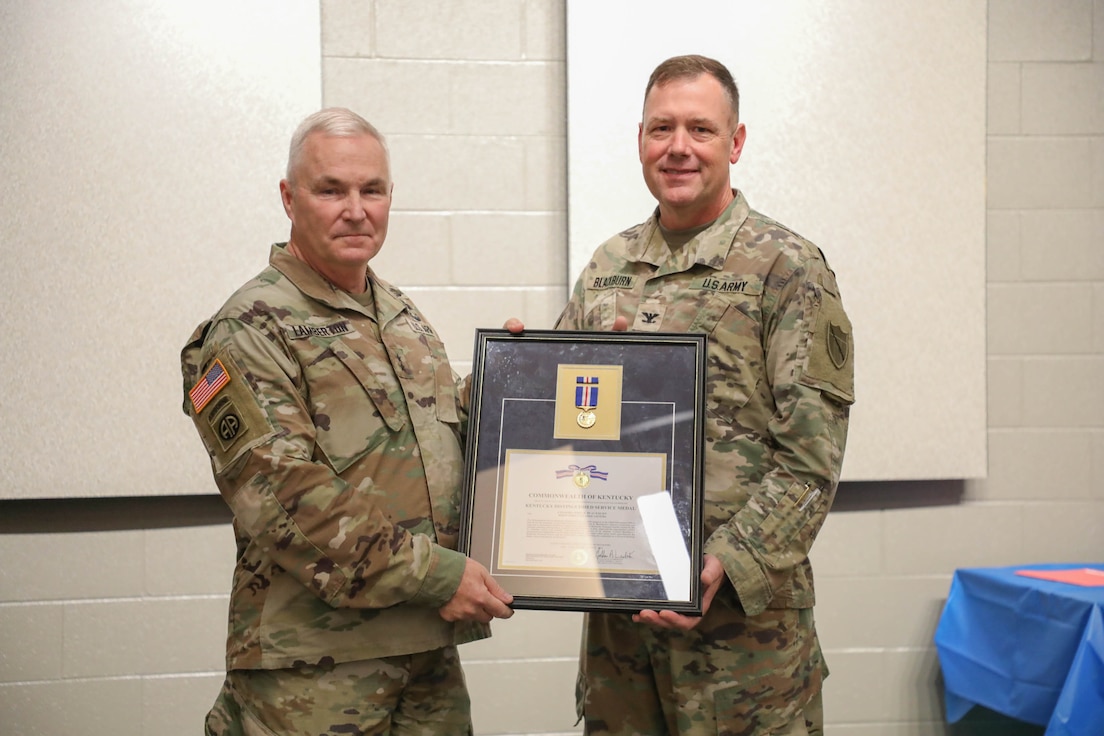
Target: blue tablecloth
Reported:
point(1028, 648)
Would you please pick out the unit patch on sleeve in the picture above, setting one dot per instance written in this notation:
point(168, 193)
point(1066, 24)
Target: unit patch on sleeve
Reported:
point(226, 422)
point(830, 363)
point(228, 415)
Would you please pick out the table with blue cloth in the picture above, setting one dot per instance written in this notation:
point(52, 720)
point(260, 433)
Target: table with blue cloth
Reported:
point(1028, 648)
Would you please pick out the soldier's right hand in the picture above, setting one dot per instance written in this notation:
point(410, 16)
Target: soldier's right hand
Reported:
point(479, 597)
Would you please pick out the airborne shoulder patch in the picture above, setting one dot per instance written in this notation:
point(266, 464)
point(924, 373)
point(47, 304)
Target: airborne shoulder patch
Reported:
point(226, 423)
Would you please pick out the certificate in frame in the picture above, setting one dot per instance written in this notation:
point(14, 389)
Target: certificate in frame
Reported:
point(583, 472)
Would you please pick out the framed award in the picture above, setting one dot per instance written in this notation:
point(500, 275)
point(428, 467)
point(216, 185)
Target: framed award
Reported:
point(583, 468)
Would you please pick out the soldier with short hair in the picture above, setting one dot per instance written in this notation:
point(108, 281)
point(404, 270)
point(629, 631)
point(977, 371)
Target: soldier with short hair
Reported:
point(779, 384)
point(334, 426)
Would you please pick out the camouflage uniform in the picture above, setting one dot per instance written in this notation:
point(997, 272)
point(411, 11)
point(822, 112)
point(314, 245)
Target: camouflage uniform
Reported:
point(333, 425)
point(779, 387)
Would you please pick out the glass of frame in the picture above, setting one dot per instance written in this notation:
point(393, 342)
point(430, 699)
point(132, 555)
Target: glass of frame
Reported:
point(583, 471)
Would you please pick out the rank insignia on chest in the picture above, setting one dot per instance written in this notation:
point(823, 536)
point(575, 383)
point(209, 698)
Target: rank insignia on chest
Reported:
point(208, 387)
point(649, 317)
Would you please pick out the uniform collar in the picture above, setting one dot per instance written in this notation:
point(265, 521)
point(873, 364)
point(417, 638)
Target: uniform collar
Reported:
point(390, 302)
point(709, 247)
point(388, 299)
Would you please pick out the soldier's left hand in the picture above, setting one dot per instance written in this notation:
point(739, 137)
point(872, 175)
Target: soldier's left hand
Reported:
point(712, 576)
point(479, 597)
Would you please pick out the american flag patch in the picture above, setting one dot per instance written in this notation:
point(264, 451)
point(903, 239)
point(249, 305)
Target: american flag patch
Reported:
point(215, 378)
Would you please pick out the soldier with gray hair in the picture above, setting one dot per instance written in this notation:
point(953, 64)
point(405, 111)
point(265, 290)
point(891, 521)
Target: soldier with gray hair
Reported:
point(779, 384)
point(334, 427)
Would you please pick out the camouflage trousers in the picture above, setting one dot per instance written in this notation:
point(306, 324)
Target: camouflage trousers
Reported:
point(420, 694)
point(733, 675)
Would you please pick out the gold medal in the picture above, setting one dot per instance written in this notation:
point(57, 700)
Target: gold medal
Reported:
point(581, 478)
point(586, 419)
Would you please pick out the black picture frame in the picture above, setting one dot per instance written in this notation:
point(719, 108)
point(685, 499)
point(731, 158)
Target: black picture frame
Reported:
point(573, 521)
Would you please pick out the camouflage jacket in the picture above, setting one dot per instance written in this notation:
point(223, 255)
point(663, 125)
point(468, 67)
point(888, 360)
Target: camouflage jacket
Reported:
point(334, 434)
point(779, 380)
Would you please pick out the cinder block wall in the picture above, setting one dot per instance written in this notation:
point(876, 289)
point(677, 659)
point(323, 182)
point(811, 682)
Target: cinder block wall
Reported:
point(112, 611)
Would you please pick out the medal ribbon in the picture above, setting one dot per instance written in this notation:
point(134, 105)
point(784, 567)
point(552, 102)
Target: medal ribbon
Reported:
point(586, 392)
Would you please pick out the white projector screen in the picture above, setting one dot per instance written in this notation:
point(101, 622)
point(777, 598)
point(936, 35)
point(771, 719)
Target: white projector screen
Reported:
point(866, 134)
point(142, 149)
